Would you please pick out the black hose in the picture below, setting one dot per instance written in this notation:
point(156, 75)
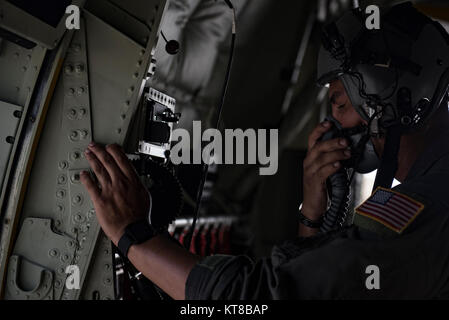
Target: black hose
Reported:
point(335, 216)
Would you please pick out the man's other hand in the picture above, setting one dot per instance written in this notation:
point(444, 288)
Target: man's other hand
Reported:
point(119, 197)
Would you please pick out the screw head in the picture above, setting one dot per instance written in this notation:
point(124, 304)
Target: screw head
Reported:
point(60, 193)
point(71, 114)
point(68, 69)
point(77, 199)
point(62, 179)
point(63, 165)
point(84, 134)
point(53, 253)
point(75, 178)
point(79, 68)
point(76, 47)
point(73, 135)
point(76, 155)
point(406, 120)
point(90, 213)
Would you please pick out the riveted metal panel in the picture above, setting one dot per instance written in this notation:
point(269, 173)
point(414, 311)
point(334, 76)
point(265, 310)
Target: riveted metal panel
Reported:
point(25, 25)
point(9, 116)
point(19, 70)
point(95, 96)
point(99, 283)
point(43, 279)
point(48, 251)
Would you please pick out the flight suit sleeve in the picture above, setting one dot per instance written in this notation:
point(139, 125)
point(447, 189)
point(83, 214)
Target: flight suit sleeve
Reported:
point(223, 277)
point(286, 274)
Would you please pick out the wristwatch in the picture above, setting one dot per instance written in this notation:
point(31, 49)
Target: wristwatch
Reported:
point(136, 233)
point(314, 224)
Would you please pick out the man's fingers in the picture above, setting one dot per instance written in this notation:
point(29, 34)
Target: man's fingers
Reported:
point(122, 161)
point(328, 170)
point(100, 172)
point(323, 147)
point(329, 158)
point(331, 145)
point(90, 185)
point(106, 160)
point(318, 132)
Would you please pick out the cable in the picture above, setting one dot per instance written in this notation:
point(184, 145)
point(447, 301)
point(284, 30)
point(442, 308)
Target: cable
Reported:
point(205, 166)
point(171, 46)
point(163, 36)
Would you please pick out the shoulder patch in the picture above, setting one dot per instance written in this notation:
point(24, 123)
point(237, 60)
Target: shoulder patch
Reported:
point(390, 208)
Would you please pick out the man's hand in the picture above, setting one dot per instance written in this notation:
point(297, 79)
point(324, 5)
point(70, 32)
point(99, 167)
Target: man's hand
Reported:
point(119, 197)
point(323, 159)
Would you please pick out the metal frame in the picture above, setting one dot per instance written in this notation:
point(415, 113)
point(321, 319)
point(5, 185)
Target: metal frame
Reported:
point(31, 28)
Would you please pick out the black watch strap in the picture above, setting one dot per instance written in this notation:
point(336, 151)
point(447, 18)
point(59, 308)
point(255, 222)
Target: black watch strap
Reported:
point(314, 224)
point(135, 233)
point(124, 244)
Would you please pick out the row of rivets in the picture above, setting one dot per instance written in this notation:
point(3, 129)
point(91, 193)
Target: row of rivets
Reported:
point(76, 135)
point(79, 91)
point(76, 113)
point(78, 68)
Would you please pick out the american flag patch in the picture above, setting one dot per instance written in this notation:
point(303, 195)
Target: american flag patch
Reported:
point(390, 208)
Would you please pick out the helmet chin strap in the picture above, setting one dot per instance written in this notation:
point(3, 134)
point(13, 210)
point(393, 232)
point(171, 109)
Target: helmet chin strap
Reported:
point(389, 161)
